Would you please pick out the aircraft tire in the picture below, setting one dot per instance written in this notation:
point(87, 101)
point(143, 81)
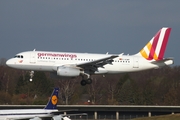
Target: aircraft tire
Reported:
point(89, 81)
point(83, 82)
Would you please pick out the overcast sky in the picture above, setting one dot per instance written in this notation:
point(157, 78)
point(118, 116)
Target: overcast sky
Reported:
point(91, 26)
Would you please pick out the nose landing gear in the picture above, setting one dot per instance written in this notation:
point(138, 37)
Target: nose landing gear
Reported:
point(31, 74)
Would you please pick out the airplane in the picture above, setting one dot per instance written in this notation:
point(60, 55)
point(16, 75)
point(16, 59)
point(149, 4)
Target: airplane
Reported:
point(70, 64)
point(35, 114)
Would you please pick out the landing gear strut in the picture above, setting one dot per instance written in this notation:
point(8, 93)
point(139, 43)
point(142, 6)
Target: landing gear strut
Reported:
point(31, 74)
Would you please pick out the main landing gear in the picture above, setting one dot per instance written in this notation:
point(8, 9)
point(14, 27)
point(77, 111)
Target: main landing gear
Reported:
point(88, 80)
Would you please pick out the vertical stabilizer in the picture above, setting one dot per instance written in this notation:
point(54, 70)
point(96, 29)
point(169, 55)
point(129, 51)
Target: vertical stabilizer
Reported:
point(52, 103)
point(155, 48)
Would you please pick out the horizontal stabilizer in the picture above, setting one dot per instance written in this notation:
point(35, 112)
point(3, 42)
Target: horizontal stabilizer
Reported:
point(165, 61)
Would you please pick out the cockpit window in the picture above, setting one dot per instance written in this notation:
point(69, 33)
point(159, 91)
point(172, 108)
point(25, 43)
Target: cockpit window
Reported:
point(18, 56)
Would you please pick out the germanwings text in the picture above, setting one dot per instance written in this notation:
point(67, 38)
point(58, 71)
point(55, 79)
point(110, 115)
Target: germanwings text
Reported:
point(56, 55)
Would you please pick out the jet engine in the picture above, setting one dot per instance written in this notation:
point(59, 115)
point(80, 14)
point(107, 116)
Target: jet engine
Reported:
point(68, 71)
point(59, 117)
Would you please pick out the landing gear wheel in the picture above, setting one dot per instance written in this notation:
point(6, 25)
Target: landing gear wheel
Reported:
point(83, 82)
point(89, 81)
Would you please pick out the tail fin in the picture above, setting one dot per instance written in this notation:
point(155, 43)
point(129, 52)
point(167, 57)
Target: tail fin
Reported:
point(52, 103)
point(156, 47)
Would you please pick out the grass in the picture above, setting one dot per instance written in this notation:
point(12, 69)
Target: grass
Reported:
point(162, 117)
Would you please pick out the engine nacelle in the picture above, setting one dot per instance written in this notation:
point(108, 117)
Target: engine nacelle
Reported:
point(68, 72)
point(66, 118)
point(57, 117)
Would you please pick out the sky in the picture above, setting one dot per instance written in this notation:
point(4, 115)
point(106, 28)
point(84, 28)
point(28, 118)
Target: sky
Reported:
point(88, 26)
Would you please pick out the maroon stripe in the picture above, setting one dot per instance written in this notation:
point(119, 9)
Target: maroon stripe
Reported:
point(163, 47)
point(154, 45)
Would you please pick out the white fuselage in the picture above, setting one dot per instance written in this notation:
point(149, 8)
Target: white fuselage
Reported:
point(49, 61)
point(25, 113)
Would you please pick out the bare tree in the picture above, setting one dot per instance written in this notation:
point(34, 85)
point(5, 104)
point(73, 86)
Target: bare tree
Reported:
point(67, 89)
point(3, 61)
point(95, 90)
point(111, 82)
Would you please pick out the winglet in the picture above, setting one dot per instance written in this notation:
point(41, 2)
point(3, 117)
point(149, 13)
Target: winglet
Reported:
point(155, 48)
point(52, 103)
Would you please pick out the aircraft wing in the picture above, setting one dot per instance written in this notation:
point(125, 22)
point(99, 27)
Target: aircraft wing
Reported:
point(28, 118)
point(67, 116)
point(60, 111)
point(93, 65)
point(74, 114)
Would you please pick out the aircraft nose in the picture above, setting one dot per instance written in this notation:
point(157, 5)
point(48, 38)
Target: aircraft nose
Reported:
point(9, 62)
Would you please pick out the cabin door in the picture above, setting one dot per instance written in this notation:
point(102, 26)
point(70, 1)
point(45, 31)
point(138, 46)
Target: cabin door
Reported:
point(136, 62)
point(33, 57)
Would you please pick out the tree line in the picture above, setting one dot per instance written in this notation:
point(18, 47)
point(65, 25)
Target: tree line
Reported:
point(150, 87)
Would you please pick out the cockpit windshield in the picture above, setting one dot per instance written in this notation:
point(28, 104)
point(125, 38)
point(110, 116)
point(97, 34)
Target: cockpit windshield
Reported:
point(18, 56)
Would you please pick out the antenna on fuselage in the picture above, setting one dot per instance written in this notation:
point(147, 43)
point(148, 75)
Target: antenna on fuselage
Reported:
point(34, 50)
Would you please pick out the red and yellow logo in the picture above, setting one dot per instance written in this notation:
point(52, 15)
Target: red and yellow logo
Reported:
point(54, 99)
point(20, 61)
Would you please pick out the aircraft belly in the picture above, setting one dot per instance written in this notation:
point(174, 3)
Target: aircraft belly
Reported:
point(112, 69)
point(131, 67)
